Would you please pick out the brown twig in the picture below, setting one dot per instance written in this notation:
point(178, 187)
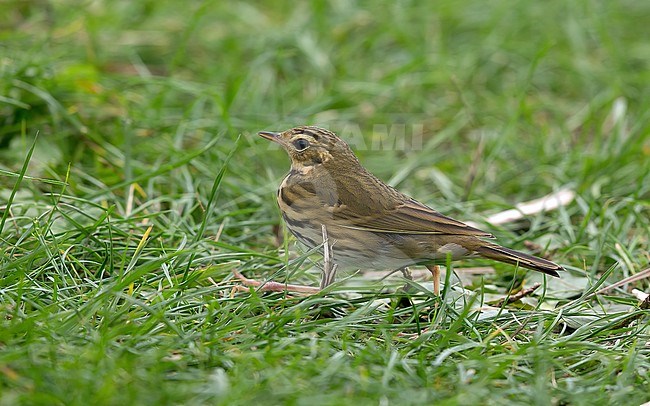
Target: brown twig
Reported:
point(633, 278)
point(518, 296)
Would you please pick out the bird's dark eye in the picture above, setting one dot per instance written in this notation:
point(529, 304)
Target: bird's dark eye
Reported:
point(301, 144)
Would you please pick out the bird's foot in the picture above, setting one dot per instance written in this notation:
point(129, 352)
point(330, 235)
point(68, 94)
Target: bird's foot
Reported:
point(271, 286)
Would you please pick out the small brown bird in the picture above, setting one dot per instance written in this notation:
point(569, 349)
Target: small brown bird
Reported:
point(369, 224)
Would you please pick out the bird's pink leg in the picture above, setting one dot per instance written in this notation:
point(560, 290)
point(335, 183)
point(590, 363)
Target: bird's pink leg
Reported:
point(435, 272)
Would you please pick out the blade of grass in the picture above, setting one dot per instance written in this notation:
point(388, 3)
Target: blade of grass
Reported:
point(21, 175)
point(213, 196)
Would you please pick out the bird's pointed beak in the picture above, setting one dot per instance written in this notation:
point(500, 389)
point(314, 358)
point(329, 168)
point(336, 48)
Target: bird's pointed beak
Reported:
point(271, 136)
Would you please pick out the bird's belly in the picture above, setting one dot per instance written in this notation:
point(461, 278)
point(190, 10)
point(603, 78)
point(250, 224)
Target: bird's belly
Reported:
point(358, 249)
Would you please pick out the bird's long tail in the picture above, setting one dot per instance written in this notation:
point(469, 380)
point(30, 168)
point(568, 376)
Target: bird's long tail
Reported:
point(503, 254)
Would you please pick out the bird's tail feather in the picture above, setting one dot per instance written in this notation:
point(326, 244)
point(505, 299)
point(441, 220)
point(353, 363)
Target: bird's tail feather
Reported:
point(503, 254)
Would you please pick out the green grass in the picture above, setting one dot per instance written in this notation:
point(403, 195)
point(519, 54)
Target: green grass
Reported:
point(123, 219)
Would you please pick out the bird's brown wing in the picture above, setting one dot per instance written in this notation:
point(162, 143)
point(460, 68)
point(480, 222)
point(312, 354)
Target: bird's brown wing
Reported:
point(407, 217)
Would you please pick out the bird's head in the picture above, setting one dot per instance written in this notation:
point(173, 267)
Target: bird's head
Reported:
point(309, 146)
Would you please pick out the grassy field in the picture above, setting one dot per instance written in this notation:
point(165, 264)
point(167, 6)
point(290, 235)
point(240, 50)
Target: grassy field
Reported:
point(132, 184)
